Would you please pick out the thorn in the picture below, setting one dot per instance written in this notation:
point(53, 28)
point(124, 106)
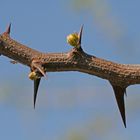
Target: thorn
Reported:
point(36, 86)
point(80, 34)
point(125, 93)
point(37, 66)
point(42, 72)
point(119, 94)
point(8, 29)
point(13, 62)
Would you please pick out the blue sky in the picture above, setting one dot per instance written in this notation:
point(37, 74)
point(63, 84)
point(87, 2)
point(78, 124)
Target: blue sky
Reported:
point(69, 103)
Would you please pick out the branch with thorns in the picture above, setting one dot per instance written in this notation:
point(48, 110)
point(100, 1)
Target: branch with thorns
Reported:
point(120, 76)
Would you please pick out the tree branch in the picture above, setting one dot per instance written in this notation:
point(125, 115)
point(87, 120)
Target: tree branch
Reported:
point(119, 75)
point(75, 60)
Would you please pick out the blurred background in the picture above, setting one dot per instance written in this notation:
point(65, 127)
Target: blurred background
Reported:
point(70, 105)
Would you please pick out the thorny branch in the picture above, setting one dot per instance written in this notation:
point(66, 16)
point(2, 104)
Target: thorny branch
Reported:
point(120, 76)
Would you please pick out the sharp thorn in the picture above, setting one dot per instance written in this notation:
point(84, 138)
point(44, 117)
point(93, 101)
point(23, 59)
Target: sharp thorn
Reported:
point(125, 93)
point(37, 66)
point(119, 94)
point(8, 29)
point(36, 86)
point(13, 62)
point(42, 72)
point(80, 34)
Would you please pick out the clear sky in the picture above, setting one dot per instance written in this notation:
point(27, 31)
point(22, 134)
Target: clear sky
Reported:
point(70, 105)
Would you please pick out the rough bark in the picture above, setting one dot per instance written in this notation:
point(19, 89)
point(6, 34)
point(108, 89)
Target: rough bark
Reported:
point(74, 60)
point(120, 76)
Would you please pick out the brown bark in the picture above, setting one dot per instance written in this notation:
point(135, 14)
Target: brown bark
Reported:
point(120, 76)
point(75, 60)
